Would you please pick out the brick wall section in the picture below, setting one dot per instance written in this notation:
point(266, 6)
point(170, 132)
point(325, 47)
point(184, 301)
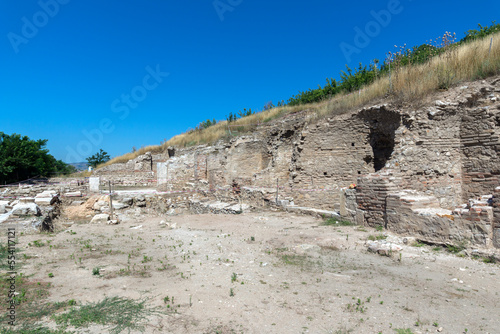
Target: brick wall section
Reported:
point(372, 192)
point(427, 153)
point(481, 152)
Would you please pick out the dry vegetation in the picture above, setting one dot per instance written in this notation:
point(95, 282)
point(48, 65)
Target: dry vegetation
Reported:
point(459, 64)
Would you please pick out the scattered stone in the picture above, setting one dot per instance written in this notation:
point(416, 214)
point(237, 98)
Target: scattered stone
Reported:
point(409, 240)
point(2, 209)
point(73, 194)
point(127, 200)
point(140, 201)
point(136, 227)
point(102, 201)
point(100, 219)
point(113, 222)
point(46, 194)
point(26, 209)
point(26, 200)
point(119, 206)
point(383, 248)
point(45, 201)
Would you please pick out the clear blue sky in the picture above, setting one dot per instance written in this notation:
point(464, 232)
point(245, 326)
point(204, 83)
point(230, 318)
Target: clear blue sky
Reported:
point(70, 67)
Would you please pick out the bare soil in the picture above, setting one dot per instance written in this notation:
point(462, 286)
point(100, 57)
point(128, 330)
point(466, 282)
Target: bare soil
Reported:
point(268, 272)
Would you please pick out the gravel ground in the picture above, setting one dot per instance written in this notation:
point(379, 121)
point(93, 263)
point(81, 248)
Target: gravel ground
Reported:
point(267, 272)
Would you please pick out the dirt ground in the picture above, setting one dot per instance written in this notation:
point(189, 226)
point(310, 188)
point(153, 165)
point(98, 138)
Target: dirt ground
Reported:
point(268, 272)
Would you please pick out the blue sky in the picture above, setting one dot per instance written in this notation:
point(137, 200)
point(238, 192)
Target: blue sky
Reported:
point(116, 74)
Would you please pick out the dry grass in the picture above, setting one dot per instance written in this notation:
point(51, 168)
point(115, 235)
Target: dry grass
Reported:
point(467, 62)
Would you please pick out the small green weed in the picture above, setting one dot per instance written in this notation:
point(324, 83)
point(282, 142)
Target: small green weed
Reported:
point(403, 331)
point(377, 237)
point(337, 222)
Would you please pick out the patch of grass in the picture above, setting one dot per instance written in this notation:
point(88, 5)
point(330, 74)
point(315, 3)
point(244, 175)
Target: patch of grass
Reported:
point(489, 259)
point(31, 329)
point(38, 243)
point(377, 237)
point(125, 314)
point(337, 222)
point(456, 248)
point(294, 260)
point(403, 331)
point(359, 306)
point(4, 254)
point(96, 271)
point(30, 306)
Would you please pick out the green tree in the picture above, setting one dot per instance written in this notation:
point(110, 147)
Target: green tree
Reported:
point(22, 158)
point(98, 158)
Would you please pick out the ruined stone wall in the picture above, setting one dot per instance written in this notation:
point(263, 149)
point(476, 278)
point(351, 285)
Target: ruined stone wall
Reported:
point(427, 152)
point(480, 133)
point(445, 149)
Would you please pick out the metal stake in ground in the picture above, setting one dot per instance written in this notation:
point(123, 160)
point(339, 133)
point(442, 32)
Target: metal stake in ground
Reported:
point(110, 201)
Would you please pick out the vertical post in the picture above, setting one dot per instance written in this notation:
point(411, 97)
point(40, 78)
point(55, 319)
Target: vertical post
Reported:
point(491, 43)
point(110, 201)
point(277, 189)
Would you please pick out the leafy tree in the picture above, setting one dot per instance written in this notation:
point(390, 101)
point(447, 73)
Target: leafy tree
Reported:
point(98, 158)
point(22, 158)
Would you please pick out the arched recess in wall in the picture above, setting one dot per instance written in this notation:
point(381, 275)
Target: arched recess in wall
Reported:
point(383, 124)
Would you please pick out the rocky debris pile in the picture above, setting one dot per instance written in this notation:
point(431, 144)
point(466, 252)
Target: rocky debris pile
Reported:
point(38, 211)
point(70, 189)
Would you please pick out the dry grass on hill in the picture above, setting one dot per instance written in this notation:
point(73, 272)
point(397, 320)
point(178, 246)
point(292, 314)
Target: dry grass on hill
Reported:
point(467, 62)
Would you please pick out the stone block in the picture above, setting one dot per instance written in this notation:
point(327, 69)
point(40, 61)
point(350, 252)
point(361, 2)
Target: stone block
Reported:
point(94, 184)
point(100, 219)
point(26, 209)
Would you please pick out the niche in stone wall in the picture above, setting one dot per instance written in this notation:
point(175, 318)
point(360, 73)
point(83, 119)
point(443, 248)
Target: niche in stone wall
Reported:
point(382, 143)
point(383, 124)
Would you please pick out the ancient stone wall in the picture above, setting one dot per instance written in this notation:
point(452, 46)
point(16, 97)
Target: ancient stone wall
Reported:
point(441, 151)
point(480, 133)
